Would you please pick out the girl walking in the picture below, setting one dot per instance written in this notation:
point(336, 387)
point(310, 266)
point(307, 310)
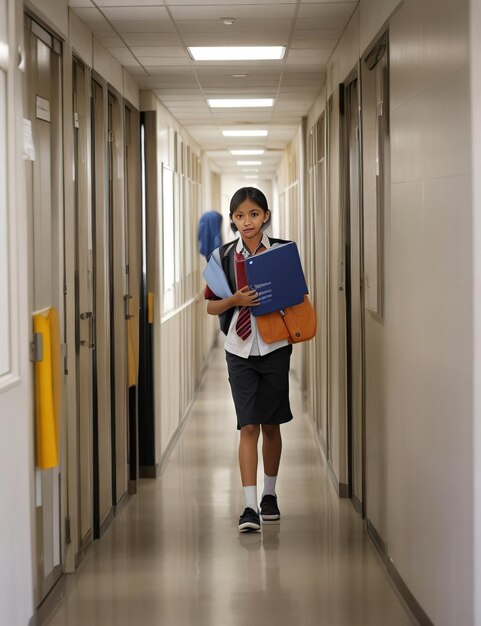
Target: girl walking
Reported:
point(258, 372)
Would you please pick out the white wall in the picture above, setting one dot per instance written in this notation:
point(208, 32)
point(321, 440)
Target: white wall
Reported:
point(53, 12)
point(429, 310)
point(475, 15)
point(419, 359)
point(16, 437)
point(182, 336)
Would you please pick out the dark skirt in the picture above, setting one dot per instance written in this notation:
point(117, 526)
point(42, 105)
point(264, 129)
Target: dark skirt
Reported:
point(260, 387)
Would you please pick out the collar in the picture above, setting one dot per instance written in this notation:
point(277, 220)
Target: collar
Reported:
point(242, 249)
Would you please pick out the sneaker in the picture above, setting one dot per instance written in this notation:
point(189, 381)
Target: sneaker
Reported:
point(249, 521)
point(269, 509)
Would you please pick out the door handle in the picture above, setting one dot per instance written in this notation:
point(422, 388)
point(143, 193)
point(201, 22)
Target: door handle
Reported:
point(88, 315)
point(127, 299)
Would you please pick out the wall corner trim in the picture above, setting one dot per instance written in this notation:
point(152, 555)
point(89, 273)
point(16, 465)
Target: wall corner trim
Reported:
point(410, 602)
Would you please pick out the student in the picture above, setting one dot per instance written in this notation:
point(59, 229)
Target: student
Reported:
point(258, 372)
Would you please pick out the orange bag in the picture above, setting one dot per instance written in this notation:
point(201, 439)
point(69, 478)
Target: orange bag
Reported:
point(295, 323)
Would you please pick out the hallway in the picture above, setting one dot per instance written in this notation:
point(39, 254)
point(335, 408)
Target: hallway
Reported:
point(173, 556)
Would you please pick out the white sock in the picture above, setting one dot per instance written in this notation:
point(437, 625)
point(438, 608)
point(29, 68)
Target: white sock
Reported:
point(269, 485)
point(250, 497)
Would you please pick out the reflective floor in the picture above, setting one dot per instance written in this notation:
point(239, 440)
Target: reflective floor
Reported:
point(173, 556)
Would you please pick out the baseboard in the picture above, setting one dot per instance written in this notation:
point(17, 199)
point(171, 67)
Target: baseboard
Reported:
point(148, 471)
point(377, 540)
point(357, 504)
point(414, 606)
point(106, 521)
point(342, 489)
point(403, 590)
point(49, 605)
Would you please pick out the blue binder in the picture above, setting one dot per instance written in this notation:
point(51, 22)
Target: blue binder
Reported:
point(276, 274)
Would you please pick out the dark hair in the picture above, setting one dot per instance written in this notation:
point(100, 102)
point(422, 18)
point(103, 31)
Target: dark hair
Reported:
point(248, 193)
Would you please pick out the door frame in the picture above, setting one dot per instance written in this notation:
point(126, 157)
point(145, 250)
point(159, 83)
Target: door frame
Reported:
point(359, 503)
point(34, 26)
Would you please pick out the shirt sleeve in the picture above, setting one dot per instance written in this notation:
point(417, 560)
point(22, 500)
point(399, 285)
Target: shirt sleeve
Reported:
point(209, 294)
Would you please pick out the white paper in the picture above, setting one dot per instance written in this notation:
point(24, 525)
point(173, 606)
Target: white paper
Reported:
point(28, 147)
point(42, 109)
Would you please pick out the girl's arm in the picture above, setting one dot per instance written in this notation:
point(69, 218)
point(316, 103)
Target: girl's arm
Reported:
point(243, 297)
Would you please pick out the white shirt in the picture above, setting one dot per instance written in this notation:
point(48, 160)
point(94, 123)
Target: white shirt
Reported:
point(253, 345)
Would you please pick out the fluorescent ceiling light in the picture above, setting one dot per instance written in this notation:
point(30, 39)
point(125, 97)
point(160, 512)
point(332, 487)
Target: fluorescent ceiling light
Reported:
point(247, 152)
point(253, 177)
point(237, 53)
point(249, 162)
point(244, 133)
point(252, 169)
point(241, 102)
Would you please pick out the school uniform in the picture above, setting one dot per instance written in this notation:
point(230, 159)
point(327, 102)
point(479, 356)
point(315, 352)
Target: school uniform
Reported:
point(258, 372)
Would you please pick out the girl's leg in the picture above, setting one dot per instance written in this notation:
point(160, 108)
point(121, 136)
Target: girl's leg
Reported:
point(249, 436)
point(271, 448)
point(271, 453)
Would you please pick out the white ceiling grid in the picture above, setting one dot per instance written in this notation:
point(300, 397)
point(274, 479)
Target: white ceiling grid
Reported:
point(150, 40)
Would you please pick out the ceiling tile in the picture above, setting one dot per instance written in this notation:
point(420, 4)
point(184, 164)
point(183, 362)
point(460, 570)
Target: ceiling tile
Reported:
point(249, 26)
point(175, 3)
point(155, 33)
point(80, 3)
point(152, 26)
point(92, 18)
point(237, 11)
point(240, 38)
point(151, 39)
point(134, 12)
point(327, 9)
point(159, 51)
point(127, 3)
point(152, 62)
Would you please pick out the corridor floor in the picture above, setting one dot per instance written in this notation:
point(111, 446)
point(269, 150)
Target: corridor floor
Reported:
point(174, 557)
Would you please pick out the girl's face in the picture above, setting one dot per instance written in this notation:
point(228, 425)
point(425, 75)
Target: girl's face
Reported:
point(249, 219)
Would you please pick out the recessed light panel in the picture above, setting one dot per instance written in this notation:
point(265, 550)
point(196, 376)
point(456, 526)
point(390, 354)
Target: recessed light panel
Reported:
point(249, 162)
point(240, 102)
point(244, 133)
point(237, 53)
point(247, 152)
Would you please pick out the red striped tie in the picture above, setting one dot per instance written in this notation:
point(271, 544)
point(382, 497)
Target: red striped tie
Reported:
point(243, 324)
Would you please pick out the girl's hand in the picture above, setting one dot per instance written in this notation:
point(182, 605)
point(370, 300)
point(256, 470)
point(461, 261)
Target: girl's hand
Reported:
point(246, 297)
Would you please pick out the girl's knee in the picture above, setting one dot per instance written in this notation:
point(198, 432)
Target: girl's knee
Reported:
point(271, 430)
point(250, 430)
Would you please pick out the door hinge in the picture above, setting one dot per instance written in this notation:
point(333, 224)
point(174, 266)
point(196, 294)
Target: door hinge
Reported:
point(380, 109)
point(110, 136)
point(76, 120)
point(68, 538)
point(36, 348)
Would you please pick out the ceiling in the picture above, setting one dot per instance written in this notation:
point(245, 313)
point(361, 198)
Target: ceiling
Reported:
point(150, 40)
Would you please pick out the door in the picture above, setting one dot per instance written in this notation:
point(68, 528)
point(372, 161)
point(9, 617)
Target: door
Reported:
point(132, 246)
point(352, 236)
point(84, 307)
point(102, 465)
point(148, 149)
point(118, 296)
point(44, 191)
